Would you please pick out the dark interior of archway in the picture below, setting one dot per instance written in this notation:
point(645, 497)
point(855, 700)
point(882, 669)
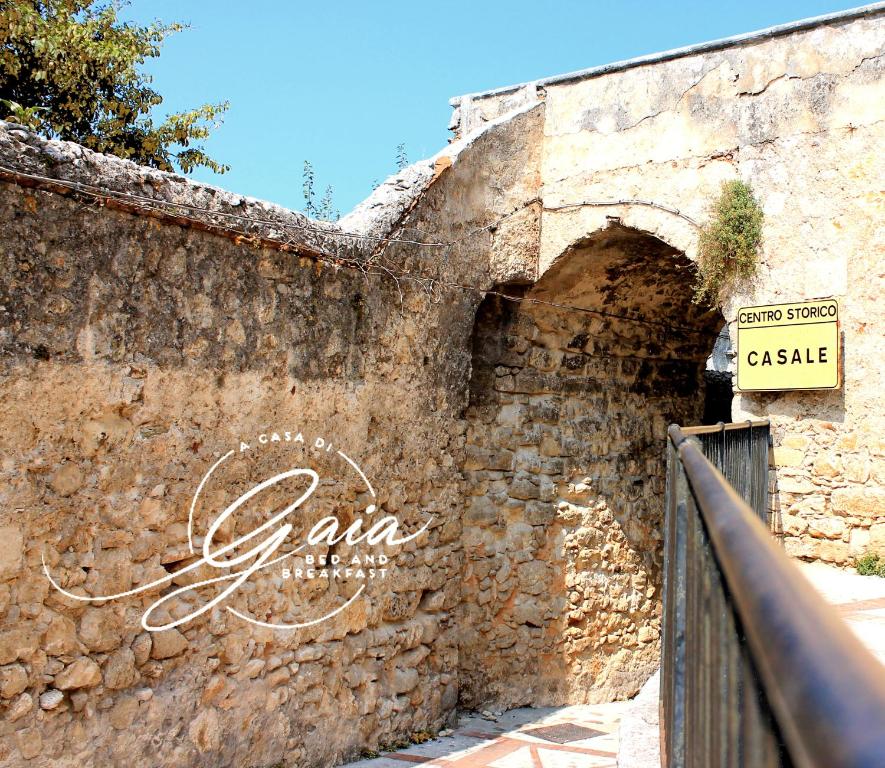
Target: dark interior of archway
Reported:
point(565, 470)
point(718, 382)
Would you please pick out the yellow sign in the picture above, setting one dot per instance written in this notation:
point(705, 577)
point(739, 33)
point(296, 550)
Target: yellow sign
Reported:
point(788, 346)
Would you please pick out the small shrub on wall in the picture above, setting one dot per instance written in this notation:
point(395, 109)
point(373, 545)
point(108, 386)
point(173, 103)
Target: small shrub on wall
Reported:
point(729, 244)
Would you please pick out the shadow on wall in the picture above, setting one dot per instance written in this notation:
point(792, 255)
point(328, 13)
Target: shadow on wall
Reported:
point(565, 470)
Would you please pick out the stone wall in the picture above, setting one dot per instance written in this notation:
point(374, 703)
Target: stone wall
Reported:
point(797, 114)
point(563, 533)
point(134, 355)
point(141, 340)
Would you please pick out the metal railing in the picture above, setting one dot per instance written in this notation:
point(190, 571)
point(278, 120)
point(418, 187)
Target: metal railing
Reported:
point(757, 670)
point(740, 452)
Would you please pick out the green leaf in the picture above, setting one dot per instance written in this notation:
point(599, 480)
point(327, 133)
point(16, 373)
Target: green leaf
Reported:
point(73, 70)
point(729, 242)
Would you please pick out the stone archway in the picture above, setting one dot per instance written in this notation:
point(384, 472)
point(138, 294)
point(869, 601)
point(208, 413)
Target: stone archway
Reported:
point(565, 470)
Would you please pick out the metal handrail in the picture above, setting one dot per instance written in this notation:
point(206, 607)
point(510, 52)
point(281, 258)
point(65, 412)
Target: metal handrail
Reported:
point(825, 689)
point(709, 429)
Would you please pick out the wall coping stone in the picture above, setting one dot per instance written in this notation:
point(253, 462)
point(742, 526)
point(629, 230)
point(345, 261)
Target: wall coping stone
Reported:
point(747, 38)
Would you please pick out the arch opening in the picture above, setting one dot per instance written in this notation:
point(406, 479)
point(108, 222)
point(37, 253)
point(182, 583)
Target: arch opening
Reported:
point(564, 471)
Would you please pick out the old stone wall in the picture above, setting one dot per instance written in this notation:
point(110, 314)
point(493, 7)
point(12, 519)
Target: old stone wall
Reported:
point(563, 533)
point(143, 340)
point(798, 115)
point(134, 356)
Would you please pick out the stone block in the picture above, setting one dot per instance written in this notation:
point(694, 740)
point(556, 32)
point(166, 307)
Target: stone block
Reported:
point(826, 527)
point(17, 643)
point(30, 742)
point(510, 415)
point(545, 409)
point(527, 460)
point(795, 485)
point(539, 512)
point(533, 577)
point(828, 466)
point(550, 445)
point(100, 630)
point(481, 511)
point(793, 525)
point(400, 605)
point(529, 611)
point(788, 457)
point(168, 643)
point(833, 551)
point(52, 699)
point(521, 487)
point(519, 536)
point(13, 680)
point(856, 469)
point(807, 506)
point(67, 479)
point(11, 551)
point(875, 538)
point(111, 573)
point(542, 360)
point(123, 713)
point(308, 653)
point(141, 647)
point(801, 546)
point(859, 542)
point(403, 680)
point(119, 669)
point(22, 706)
point(859, 501)
point(847, 441)
point(153, 514)
point(205, 731)
point(82, 673)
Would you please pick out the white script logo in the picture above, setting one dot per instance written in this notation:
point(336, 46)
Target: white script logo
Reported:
point(273, 539)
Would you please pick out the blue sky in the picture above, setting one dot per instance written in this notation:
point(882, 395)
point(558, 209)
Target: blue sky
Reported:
point(343, 83)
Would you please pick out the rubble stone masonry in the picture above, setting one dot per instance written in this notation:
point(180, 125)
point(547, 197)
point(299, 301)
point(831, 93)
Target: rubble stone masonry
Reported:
point(149, 325)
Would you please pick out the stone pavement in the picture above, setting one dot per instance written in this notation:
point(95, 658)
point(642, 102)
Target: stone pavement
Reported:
point(582, 736)
point(639, 738)
point(860, 600)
